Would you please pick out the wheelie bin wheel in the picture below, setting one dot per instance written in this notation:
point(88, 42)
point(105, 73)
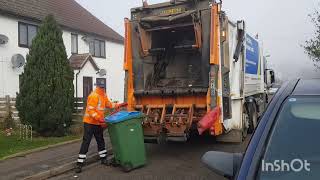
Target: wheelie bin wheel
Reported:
point(126, 167)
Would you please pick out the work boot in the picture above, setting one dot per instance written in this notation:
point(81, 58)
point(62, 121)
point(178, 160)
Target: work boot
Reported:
point(105, 161)
point(78, 168)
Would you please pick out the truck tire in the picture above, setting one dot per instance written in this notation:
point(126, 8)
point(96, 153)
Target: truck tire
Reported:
point(253, 117)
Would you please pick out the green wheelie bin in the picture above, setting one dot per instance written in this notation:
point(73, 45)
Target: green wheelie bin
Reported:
point(126, 134)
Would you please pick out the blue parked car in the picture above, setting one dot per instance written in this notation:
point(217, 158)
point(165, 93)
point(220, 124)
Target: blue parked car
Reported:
point(285, 145)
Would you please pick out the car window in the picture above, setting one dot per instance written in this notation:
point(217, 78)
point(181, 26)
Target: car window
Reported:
point(293, 148)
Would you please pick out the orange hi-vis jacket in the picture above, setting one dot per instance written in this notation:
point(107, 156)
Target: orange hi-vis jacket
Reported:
point(96, 105)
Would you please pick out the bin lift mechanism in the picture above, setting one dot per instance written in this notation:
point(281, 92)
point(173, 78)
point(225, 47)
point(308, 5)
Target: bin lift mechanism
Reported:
point(175, 123)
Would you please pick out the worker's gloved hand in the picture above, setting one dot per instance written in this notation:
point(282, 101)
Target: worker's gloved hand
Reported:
point(121, 105)
point(101, 120)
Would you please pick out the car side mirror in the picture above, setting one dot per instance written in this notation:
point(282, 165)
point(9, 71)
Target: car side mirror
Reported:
point(273, 80)
point(270, 77)
point(222, 163)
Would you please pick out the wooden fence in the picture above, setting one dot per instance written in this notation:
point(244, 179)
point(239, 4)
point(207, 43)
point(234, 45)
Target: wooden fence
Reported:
point(79, 106)
point(5, 102)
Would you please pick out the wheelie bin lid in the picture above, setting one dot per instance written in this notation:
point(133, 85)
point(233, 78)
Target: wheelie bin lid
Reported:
point(123, 116)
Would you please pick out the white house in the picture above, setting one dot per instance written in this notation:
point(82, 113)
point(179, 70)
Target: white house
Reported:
point(90, 44)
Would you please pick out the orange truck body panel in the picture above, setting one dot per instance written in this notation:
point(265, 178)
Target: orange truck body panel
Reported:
point(127, 65)
point(215, 59)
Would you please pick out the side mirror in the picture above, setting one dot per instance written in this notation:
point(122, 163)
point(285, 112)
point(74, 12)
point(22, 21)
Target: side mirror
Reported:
point(222, 163)
point(270, 77)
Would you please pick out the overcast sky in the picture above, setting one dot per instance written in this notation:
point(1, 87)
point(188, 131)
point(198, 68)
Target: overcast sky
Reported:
point(283, 25)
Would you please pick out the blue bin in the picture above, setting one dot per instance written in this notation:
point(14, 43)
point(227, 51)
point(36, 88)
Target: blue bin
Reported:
point(123, 116)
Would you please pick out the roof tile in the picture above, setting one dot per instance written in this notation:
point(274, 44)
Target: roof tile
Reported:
point(77, 61)
point(68, 13)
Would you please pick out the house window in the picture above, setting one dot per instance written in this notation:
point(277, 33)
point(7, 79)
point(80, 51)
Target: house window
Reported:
point(97, 48)
point(74, 43)
point(26, 34)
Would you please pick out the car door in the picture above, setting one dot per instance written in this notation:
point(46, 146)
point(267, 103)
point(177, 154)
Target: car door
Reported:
point(251, 161)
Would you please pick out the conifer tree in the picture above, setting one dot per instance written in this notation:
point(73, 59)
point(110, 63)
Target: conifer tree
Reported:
point(46, 93)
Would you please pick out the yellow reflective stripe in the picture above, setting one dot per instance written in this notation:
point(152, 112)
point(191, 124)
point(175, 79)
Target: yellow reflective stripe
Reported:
point(102, 155)
point(94, 114)
point(86, 115)
point(101, 109)
point(102, 152)
point(91, 107)
point(99, 103)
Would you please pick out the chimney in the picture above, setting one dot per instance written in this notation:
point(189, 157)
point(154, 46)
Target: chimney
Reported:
point(144, 3)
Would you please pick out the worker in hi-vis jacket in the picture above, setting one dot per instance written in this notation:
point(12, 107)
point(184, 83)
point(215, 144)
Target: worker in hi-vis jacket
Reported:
point(94, 124)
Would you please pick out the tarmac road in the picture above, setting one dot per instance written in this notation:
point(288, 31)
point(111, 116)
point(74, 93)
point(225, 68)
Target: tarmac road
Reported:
point(171, 161)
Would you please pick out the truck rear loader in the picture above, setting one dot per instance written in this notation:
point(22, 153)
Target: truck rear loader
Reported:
point(189, 68)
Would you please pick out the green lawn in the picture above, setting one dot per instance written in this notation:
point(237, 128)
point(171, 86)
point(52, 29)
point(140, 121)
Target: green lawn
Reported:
point(12, 144)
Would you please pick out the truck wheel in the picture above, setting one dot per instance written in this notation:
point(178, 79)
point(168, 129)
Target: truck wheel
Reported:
point(253, 118)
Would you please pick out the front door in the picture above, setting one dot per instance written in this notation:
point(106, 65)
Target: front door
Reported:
point(87, 87)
